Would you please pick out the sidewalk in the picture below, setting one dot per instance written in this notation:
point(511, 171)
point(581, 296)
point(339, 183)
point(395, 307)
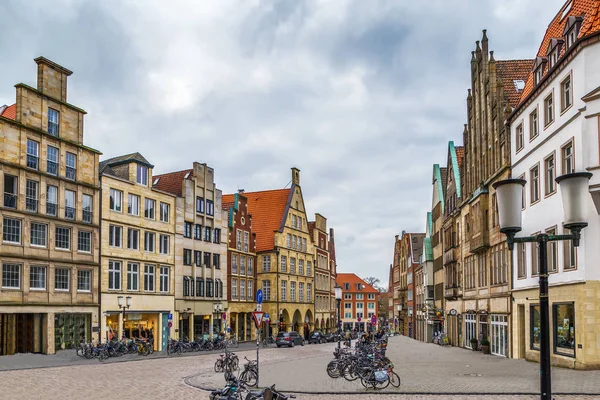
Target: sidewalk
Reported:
point(65, 358)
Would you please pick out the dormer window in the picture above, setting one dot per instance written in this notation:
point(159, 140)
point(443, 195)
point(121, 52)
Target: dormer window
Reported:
point(571, 30)
point(553, 58)
point(537, 75)
point(142, 175)
point(553, 52)
point(538, 69)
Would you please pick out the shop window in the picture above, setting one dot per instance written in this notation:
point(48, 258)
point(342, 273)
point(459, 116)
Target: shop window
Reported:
point(534, 327)
point(564, 329)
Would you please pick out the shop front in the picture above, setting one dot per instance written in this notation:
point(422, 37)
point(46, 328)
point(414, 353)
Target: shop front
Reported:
point(71, 329)
point(138, 325)
point(240, 326)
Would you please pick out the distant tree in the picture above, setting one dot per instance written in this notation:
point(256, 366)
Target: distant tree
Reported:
point(373, 281)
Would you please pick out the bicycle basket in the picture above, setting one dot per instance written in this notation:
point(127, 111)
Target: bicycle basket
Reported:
point(381, 376)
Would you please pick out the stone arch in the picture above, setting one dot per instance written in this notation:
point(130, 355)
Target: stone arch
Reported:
point(309, 317)
point(317, 323)
point(297, 321)
point(327, 326)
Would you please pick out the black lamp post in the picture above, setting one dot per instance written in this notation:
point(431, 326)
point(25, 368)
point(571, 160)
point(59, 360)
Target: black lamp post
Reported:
point(123, 307)
point(338, 300)
point(509, 193)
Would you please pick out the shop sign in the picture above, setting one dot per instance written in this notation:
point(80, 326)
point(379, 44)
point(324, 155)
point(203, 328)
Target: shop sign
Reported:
point(95, 329)
point(452, 312)
point(134, 317)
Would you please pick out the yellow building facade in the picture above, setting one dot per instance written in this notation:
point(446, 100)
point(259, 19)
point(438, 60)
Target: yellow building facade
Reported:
point(49, 289)
point(138, 252)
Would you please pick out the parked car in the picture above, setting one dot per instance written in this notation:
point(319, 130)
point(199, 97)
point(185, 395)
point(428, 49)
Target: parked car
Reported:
point(317, 337)
point(332, 337)
point(289, 339)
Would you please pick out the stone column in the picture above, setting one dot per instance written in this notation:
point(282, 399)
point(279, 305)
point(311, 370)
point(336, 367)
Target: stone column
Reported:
point(210, 326)
point(121, 326)
point(190, 333)
point(48, 342)
point(244, 327)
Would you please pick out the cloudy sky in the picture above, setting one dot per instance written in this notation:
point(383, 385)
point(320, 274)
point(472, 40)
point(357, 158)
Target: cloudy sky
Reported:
point(362, 95)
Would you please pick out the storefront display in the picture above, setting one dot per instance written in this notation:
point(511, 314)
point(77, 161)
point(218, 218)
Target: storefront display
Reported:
point(499, 335)
point(470, 329)
point(71, 329)
point(564, 329)
point(535, 325)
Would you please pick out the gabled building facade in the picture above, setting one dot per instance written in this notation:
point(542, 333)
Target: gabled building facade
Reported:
point(200, 251)
point(333, 316)
point(49, 294)
point(285, 257)
point(323, 315)
point(241, 267)
point(137, 252)
point(555, 130)
point(359, 303)
point(410, 248)
point(424, 288)
point(438, 205)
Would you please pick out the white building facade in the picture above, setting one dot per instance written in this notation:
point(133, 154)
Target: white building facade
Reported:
point(555, 131)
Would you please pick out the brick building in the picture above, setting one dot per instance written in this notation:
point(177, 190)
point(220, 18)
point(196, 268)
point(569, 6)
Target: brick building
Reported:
point(325, 306)
point(359, 303)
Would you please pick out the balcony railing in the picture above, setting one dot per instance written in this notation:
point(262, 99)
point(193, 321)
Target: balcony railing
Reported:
point(87, 216)
point(10, 200)
point(51, 209)
point(31, 205)
point(52, 167)
point(69, 213)
point(32, 161)
point(451, 255)
point(70, 173)
point(480, 241)
point(452, 292)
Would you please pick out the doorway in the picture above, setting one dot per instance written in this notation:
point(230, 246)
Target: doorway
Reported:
point(25, 338)
point(521, 317)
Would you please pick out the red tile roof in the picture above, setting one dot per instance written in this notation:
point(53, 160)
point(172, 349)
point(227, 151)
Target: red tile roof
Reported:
point(171, 182)
point(460, 155)
point(589, 9)
point(10, 112)
point(353, 279)
point(311, 229)
point(227, 201)
point(267, 209)
point(510, 71)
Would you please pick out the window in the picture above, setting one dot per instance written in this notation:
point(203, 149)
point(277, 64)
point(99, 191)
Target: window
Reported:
point(37, 278)
point(38, 234)
point(62, 279)
point(568, 161)
point(216, 235)
point(283, 264)
point(234, 263)
point(289, 241)
point(309, 292)
point(301, 291)
point(198, 258)
point(70, 172)
point(553, 58)
point(346, 286)
point(164, 212)
point(10, 191)
point(548, 109)
point(69, 204)
point(199, 287)
point(63, 238)
point(292, 291)
point(348, 315)
point(569, 255)
point(186, 286)
point(304, 245)
point(149, 242)
point(133, 239)
point(250, 291)
point(470, 329)
point(87, 208)
point(84, 241)
point(565, 94)
point(371, 296)
point(53, 122)
point(200, 205)
point(114, 235)
point(283, 290)
point(84, 280)
point(266, 288)
point(164, 245)
point(521, 259)
point(552, 252)
point(266, 264)
point(133, 205)
point(360, 296)
point(537, 75)
point(292, 265)
point(242, 265)
point(519, 137)
point(243, 289)
point(133, 277)
point(11, 276)
point(149, 208)
point(238, 240)
point(197, 232)
point(294, 242)
point(533, 124)
point(535, 267)
point(210, 210)
point(206, 259)
point(187, 257)
point(142, 175)
point(308, 268)
point(348, 305)
point(165, 273)
point(300, 267)
point(51, 200)
point(217, 261)
point(246, 241)
point(564, 329)
point(187, 229)
point(571, 37)
point(234, 288)
point(550, 186)
point(347, 296)
point(207, 233)
point(535, 184)
point(52, 160)
point(33, 148)
point(116, 200)
point(148, 278)
point(250, 266)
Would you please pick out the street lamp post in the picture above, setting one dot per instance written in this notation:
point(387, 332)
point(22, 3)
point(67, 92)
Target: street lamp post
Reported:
point(338, 300)
point(509, 193)
point(123, 307)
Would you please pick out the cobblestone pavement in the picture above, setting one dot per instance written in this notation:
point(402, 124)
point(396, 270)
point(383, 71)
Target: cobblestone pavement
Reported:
point(424, 368)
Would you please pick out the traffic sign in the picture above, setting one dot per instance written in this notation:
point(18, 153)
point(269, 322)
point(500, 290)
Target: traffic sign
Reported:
point(373, 320)
point(259, 296)
point(358, 319)
point(258, 316)
point(224, 316)
point(259, 307)
point(170, 316)
point(266, 317)
point(170, 324)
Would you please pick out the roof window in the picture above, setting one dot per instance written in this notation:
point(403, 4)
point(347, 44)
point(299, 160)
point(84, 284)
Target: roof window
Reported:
point(156, 181)
point(519, 84)
point(566, 10)
point(571, 31)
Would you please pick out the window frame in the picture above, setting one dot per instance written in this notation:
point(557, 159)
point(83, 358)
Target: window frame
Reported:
point(569, 143)
point(534, 122)
point(164, 211)
point(56, 236)
point(80, 241)
point(31, 235)
point(533, 200)
point(53, 126)
point(70, 166)
point(81, 274)
point(549, 100)
point(164, 279)
point(519, 137)
point(532, 345)
point(19, 270)
point(133, 199)
point(32, 161)
point(555, 330)
point(552, 250)
point(117, 275)
point(43, 268)
point(142, 173)
point(567, 79)
point(52, 163)
point(133, 276)
point(547, 179)
point(113, 206)
point(56, 276)
point(149, 212)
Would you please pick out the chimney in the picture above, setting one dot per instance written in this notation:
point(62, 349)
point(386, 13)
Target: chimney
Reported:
point(52, 79)
point(241, 191)
point(295, 176)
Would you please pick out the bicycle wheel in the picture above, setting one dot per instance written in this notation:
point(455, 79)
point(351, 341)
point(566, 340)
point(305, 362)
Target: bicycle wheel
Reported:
point(394, 379)
point(234, 343)
point(333, 370)
point(251, 378)
point(349, 372)
point(219, 366)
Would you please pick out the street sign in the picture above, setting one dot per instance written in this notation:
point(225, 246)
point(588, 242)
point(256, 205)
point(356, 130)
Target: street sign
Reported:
point(358, 319)
point(258, 316)
point(224, 316)
point(266, 317)
point(259, 307)
point(259, 296)
point(170, 316)
point(170, 324)
point(373, 320)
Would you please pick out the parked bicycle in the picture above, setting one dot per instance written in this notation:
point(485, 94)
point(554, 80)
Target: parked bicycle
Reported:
point(227, 362)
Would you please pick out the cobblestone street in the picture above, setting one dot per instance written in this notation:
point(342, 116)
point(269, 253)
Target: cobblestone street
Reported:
point(434, 369)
